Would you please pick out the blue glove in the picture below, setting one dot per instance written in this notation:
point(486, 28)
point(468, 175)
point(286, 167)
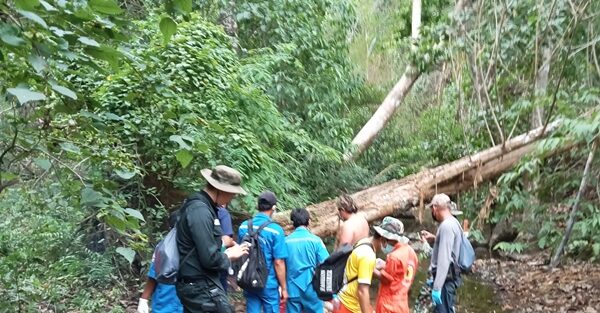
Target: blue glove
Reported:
point(436, 297)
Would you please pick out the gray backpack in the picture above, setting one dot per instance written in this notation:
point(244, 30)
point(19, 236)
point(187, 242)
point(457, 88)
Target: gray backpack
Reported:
point(166, 259)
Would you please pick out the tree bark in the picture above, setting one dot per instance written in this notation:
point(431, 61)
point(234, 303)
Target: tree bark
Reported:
point(541, 84)
point(398, 196)
point(573, 215)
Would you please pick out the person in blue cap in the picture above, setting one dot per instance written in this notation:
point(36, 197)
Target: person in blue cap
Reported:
point(164, 297)
point(272, 240)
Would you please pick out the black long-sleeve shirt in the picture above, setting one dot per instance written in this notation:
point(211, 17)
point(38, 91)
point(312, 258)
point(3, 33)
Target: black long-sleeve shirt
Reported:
point(199, 228)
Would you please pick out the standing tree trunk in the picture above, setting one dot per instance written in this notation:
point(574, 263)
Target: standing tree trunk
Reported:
point(541, 84)
point(392, 101)
point(573, 215)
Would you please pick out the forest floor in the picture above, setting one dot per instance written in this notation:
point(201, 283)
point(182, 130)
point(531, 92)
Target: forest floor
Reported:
point(528, 286)
point(525, 285)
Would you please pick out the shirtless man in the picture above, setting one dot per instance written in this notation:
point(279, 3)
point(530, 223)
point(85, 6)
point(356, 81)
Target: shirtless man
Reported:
point(354, 226)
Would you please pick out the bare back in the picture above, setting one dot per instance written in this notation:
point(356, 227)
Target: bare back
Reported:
point(353, 230)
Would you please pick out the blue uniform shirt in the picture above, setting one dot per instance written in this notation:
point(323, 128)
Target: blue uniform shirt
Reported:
point(164, 298)
point(305, 252)
point(272, 243)
point(225, 219)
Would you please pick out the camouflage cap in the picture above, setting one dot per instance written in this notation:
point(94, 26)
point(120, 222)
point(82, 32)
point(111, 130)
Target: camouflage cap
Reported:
point(392, 229)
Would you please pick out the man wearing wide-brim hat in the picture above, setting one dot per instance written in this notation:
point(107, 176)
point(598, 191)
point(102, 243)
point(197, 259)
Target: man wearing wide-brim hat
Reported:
point(398, 272)
point(199, 243)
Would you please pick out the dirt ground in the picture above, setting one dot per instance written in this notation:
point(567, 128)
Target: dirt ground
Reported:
point(528, 286)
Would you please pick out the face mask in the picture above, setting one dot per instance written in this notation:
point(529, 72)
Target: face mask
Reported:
point(433, 216)
point(387, 249)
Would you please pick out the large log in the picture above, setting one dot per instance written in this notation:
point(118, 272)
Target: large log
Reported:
point(402, 195)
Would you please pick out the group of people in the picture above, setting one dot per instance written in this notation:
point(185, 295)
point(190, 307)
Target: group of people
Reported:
point(207, 250)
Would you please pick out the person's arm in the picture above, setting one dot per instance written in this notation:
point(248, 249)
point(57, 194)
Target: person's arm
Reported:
point(227, 241)
point(201, 225)
point(148, 289)
point(346, 235)
point(280, 254)
point(392, 271)
point(364, 298)
point(446, 238)
point(366, 265)
point(280, 272)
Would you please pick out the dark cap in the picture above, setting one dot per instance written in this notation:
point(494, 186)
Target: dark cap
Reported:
point(267, 200)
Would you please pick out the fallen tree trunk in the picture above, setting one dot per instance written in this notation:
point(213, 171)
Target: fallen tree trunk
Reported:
point(398, 196)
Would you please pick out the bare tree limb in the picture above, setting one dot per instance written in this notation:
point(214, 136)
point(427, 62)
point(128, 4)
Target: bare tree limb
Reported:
point(573, 214)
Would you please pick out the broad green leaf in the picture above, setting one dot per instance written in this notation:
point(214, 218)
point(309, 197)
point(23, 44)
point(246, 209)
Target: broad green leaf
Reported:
point(135, 214)
point(127, 253)
point(11, 39)
point(33, 17)
point(88, 41)
point(25, 95)
point(108, 54)
point(59, 32)
point(27, 4)
point(112, 117)
point(184, 157)
point(43, 163)
point(91, 197)
point(37, 62)
point(168, 27)
point(182, 144)
point(70, 147)
point(109, 7)
point(124, 173)
point(63, 90)
point(47, 6)
point(184, 6)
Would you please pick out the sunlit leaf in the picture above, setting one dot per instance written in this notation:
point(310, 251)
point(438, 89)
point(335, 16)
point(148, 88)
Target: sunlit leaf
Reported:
point(25, 95)
point(43, 163)
point(125, 174)
point(184, 157)
point(168, 27)
point(127, 253)
point(63, 90)
point(88, 41)
point(109, 7)
point(135, 214)
point(33, 17)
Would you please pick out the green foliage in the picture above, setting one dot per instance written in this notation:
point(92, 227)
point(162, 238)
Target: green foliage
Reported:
point(511, 247)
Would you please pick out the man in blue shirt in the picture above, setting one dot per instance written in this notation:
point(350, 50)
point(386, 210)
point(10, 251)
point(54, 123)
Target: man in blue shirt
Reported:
point(272, 244)
point(164, 297)
point(227, 228)
point(305, 252)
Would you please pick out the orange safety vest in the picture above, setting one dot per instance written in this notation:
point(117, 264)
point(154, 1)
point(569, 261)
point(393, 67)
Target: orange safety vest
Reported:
point(396, 278)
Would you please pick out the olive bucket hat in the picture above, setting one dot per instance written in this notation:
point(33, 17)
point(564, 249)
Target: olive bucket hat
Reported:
point(392, 229)
point(224, 178)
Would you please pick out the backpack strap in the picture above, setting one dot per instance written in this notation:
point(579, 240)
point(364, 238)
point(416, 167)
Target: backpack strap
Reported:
point(251, 231)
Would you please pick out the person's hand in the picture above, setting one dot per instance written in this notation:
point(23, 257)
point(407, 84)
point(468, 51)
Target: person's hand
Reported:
point(436, 297)
point(283, 294)
point(236, 252)
point(429, 282)
point(379, 264)
point(143, 306)
point(427, 236)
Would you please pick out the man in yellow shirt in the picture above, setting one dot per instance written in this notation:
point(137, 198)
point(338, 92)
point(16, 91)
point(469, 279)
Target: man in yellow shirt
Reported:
point(354, 296)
